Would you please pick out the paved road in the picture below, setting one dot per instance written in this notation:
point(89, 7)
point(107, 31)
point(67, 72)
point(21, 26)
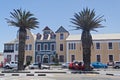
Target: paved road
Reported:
point(63, 77)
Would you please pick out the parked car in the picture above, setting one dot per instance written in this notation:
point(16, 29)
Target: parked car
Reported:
point(77, 65)
point(65, 65)
point(99, 65)
point(35, 66)
point(116, 64)
point(10, 65)
point(110, 63)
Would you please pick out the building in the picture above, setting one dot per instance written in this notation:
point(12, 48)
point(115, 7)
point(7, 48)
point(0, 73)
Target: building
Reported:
point(45, 46)
point(11, 49)
point(106, 48)
point(61, 36)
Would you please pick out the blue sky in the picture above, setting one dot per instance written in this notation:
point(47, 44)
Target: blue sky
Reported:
point(56, 13)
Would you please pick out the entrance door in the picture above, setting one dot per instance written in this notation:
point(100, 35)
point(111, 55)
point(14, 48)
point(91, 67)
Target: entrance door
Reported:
point(45, 59)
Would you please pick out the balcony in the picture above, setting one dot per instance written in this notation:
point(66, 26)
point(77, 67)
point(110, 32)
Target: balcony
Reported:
point(8, 51)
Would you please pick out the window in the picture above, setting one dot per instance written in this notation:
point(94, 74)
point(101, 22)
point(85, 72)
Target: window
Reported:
point(16, 47)
point(72, 46)
point(97, 45)
point(61, 58)
point(72, 58)
point(38, 36)
point(98, 58)
point(38, 47)
point(45, 47)
point(30, 46)
point(45, 36)
point(110, 46)
point(110, 58)
point(52, 47)
point(9, 46)
point(61, 36)
point(8, 58)
point(26, 47)
point(61, 47)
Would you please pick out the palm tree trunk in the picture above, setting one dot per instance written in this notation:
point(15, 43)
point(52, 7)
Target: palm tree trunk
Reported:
point(87, 58)
point(21, 51)
point(86, 44)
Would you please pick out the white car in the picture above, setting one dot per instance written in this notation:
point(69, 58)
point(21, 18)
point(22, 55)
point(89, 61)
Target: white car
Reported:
point(65, 65)
point(12, 64)
point(35, 66)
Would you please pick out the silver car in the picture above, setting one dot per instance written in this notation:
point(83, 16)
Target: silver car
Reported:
point(35, 66)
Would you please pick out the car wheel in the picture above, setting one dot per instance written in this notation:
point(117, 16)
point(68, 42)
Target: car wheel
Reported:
point(7, 67)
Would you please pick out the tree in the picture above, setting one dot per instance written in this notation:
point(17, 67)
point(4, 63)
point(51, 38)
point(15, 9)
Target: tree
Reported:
point(87, 21)
point(23, 20)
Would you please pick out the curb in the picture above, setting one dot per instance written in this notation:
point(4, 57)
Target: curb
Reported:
point(48, 72)
point(84, 72)
point(24, 75)
point(112, 74)
point(15, 72)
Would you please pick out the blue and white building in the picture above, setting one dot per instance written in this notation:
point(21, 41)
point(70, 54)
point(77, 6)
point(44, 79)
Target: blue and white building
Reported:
point(45, 46)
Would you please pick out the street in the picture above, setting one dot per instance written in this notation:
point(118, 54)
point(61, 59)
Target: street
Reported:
point(58, 74)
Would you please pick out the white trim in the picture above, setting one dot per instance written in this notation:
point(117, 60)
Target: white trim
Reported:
point(67, 54)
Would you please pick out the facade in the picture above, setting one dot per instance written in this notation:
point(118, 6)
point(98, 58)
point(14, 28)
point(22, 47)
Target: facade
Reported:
point(106, 48)
point(11, 49)
point(45, 46)
point(61, 35)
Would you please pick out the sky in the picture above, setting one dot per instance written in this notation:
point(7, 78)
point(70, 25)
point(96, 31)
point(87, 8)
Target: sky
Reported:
point(56, 13)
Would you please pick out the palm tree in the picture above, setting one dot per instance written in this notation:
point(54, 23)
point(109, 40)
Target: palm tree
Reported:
point(23, 20)
point(87, 21)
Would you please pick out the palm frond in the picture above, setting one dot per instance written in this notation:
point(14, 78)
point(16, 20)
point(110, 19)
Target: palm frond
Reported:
point(24, 19)
point(87, 20)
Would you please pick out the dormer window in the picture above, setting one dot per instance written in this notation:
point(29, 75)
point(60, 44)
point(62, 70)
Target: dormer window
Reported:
point(52, 36)
point(45, 36)
point(38, 36)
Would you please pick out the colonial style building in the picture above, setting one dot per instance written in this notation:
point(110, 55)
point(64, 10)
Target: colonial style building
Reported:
point(45, 46)
point(106, 48)
point(11, 49)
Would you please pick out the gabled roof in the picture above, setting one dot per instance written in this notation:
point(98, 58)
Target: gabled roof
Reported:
point(61, 29)
point(46, 28)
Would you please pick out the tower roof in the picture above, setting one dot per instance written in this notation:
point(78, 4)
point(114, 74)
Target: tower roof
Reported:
point(46, 28)
point(61, 29)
